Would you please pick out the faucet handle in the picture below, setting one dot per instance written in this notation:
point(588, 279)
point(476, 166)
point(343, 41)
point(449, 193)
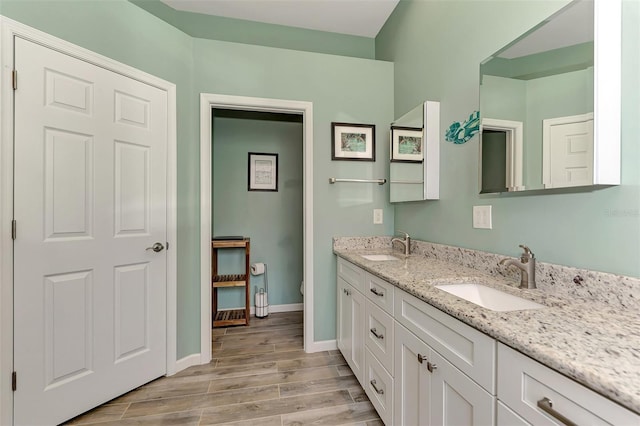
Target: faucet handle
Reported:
point(527, 251)
point(406, 235)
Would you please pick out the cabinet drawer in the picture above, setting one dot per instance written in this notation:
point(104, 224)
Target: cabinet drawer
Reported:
point(351, 274)
point(524, 383)
point(378, 385)
point(379, 292)
point(466, 348)
point(379, 335)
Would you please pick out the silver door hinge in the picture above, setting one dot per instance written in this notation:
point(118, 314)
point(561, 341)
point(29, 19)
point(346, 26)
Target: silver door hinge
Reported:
point(14, 381)
point(14, 78)
point(14, 229)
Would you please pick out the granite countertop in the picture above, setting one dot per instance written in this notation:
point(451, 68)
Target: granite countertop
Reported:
point(595, 344)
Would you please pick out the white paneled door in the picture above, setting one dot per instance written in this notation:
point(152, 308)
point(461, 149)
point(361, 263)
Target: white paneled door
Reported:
point(90, 198)
point(569, 161)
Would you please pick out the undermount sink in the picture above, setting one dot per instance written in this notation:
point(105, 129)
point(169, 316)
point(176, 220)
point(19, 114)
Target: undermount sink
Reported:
point(379, 257)
point(489, 298)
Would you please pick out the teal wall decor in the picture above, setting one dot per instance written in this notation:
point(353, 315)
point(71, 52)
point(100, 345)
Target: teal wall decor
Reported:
point(461, 131)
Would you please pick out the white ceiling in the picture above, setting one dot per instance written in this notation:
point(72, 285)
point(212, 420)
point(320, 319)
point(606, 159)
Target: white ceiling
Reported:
point(572, 25)
point(355, 17)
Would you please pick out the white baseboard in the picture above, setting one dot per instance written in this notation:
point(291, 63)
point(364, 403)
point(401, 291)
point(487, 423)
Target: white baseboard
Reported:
point(291, 307)
point(323, 345)
point(187, 361)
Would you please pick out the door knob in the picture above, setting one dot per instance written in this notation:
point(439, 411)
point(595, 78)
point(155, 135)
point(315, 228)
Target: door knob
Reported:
point(157, 247)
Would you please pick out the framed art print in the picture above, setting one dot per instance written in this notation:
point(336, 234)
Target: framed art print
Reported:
point(407, 144)
point(355, 142)
point(263, 172)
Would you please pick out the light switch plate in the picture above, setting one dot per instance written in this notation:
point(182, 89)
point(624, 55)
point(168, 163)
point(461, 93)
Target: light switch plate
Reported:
point(482, 217)
point(377, 217)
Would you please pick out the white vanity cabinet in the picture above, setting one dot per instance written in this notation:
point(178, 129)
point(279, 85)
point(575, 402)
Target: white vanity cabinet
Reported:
point(365, 333)
point(535, 394)
point(420, 366)
point(429, 389)
point(351, 316)
point(408, 356)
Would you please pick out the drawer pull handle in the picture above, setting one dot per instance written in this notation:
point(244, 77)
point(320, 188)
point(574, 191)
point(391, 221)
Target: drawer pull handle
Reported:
point(375, 333)
point(421, 358)
point(347, 292)
point(546, 405)
point(378, 391)
point(376, 292)
point(431, 367)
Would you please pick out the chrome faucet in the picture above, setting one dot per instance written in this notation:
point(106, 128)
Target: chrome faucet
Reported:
point(527, 266)
point(406, 242)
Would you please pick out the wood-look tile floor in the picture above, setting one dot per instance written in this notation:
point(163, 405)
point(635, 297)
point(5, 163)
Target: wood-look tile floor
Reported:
point(259, 375)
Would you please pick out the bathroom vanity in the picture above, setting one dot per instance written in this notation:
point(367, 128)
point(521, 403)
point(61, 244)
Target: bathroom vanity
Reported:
point(425, 356)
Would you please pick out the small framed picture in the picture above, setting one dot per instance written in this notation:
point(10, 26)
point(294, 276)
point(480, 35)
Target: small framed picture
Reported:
point(354, 142)
point(263, 172)
point(406, 144)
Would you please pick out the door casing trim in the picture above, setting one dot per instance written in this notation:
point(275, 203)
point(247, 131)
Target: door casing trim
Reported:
point(9, 29)
point(208, 101)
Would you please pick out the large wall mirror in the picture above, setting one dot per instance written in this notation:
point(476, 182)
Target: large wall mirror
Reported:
point(550, 103)
point(415, 154)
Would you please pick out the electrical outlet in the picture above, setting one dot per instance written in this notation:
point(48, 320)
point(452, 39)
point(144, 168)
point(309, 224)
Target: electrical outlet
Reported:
point(377, 217)
point(482, 217)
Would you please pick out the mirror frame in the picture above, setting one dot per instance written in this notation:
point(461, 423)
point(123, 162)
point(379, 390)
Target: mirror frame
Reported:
point(607, 99)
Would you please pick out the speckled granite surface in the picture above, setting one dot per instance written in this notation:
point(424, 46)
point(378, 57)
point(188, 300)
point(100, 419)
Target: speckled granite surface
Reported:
point(593, 338)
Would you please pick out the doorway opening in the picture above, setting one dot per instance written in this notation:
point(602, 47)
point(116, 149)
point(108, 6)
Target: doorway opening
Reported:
point(227, 110)
point(501, 152)
point(257, 194)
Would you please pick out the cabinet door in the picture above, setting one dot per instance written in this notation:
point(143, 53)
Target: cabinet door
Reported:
point(411, 404)
point(455, 398)
point(357, 311)
point(343, 329)
point(506, 417)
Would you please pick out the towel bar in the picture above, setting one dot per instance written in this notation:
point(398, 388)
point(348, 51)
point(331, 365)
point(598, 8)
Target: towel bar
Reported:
point(378, 181)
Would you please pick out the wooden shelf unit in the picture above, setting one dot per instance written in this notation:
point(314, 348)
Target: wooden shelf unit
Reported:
point(235, 316)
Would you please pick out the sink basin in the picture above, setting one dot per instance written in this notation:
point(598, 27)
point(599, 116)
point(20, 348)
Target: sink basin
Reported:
point(489, 298)
point(379, 257)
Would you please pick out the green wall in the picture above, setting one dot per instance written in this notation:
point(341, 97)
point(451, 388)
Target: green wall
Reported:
point(273, 220)
point(259, 33)
point(531, 101)
point(341, 89)
point(549, 97)
point(597, 229)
